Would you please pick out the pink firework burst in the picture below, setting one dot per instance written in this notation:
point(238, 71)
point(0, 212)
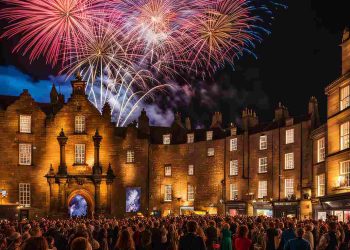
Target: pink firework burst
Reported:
point(49, 27)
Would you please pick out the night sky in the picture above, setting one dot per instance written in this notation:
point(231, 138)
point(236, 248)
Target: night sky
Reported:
point(298, 59)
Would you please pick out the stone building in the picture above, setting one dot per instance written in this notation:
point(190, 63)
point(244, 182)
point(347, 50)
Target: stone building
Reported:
point(56, 154)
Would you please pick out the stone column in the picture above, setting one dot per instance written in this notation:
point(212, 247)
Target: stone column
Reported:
point(97, 141)
point(97, 196)
point(109, 196)
point(62, 182)
point(62, 140)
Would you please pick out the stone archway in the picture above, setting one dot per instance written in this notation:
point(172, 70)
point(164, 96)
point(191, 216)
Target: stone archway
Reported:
point(86, 196)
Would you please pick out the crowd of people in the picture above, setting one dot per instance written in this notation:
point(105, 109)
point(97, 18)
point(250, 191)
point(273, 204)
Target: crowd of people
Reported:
point(175, 233)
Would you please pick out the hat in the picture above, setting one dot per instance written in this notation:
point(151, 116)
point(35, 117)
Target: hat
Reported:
point(14, 236)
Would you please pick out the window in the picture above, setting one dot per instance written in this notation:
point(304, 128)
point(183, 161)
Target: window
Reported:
point(290, 136)
point(289, 161)
point(79, 153)
point(25, 154)
point(130, 156)
point(321, 184)
point(344, 178)
point(262, 191)
point(167, 193)
point(263, 165)
point(233, 191)
point(190, 169)
point(263, 142)
point(289, 187)
point(190, 138)
point(234, 167)
point(344, 135)
point(167, 170)
point(209, 135)
point(25, 123)
point(344, 97)
point(166, 139)
point(79, 124)
point(321, 149)
point(233, 144)
point(24, 194)
point(211, 151)
point(190, 192)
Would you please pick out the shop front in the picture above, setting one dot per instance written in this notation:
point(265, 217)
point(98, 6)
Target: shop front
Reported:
point(234, 208)
point(286, 209)
point(263, 209)
point(186, 210)
point(337, 206)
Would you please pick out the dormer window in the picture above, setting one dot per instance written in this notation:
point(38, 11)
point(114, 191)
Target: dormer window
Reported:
point(190, 138)
point(25, 123)
point(166, 139)
point(79, 124)
point(209, 135)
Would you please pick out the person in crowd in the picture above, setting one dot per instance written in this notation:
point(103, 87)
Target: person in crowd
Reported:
point(287, 234)
point(211, 235)
point(173, 238)
point(271, 234)
point(191, 241)
point(309, 236)
point(125, 241)
point(226, 242)
point(80, 243)
point(156, 236)
point(35, 243)
point(298, 243)
point(331, 239)
point(51, 243)
point(242, 242)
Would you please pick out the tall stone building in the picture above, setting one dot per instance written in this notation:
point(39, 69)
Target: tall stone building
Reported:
point(66, 158)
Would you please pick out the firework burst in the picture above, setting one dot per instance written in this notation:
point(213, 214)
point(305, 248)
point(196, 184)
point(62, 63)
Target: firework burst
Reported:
point(48, 26)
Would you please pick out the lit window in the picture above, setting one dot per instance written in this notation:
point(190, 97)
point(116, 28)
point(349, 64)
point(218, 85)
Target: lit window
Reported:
point(25, 123)
point(211, 151)
point(321, 149)
point(209, 135)
point(344, 135)
point(344, 97)
point(234, 167)
point(344, 178)
point(233, 191)
point(167, 170)
point(263, 142)
point(190, 192)
point(190, 138)
point(233, 144)
point(289, 187)
point(190, 169)
point(167, 193)
point(24, 194)
point(25, 154)
point(166, 139)
point(130, 156)
point(263, 165)
point(79, 153)
point(321, 184)
point(290, 136)
point(289, 161)
point(79, 124)
point(262, 191)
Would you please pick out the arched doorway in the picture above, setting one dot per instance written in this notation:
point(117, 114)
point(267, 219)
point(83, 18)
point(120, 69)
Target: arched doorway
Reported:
point(80, 204)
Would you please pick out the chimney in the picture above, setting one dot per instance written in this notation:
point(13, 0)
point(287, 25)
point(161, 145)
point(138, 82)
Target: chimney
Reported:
point(143, 123)
point(106, 111)
point(346, 51)
point(281, 113)
point(188, 123)
point(233, 129)
point(216, 120)
point(177, 119)
point(313, 112)
point(249, 119)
